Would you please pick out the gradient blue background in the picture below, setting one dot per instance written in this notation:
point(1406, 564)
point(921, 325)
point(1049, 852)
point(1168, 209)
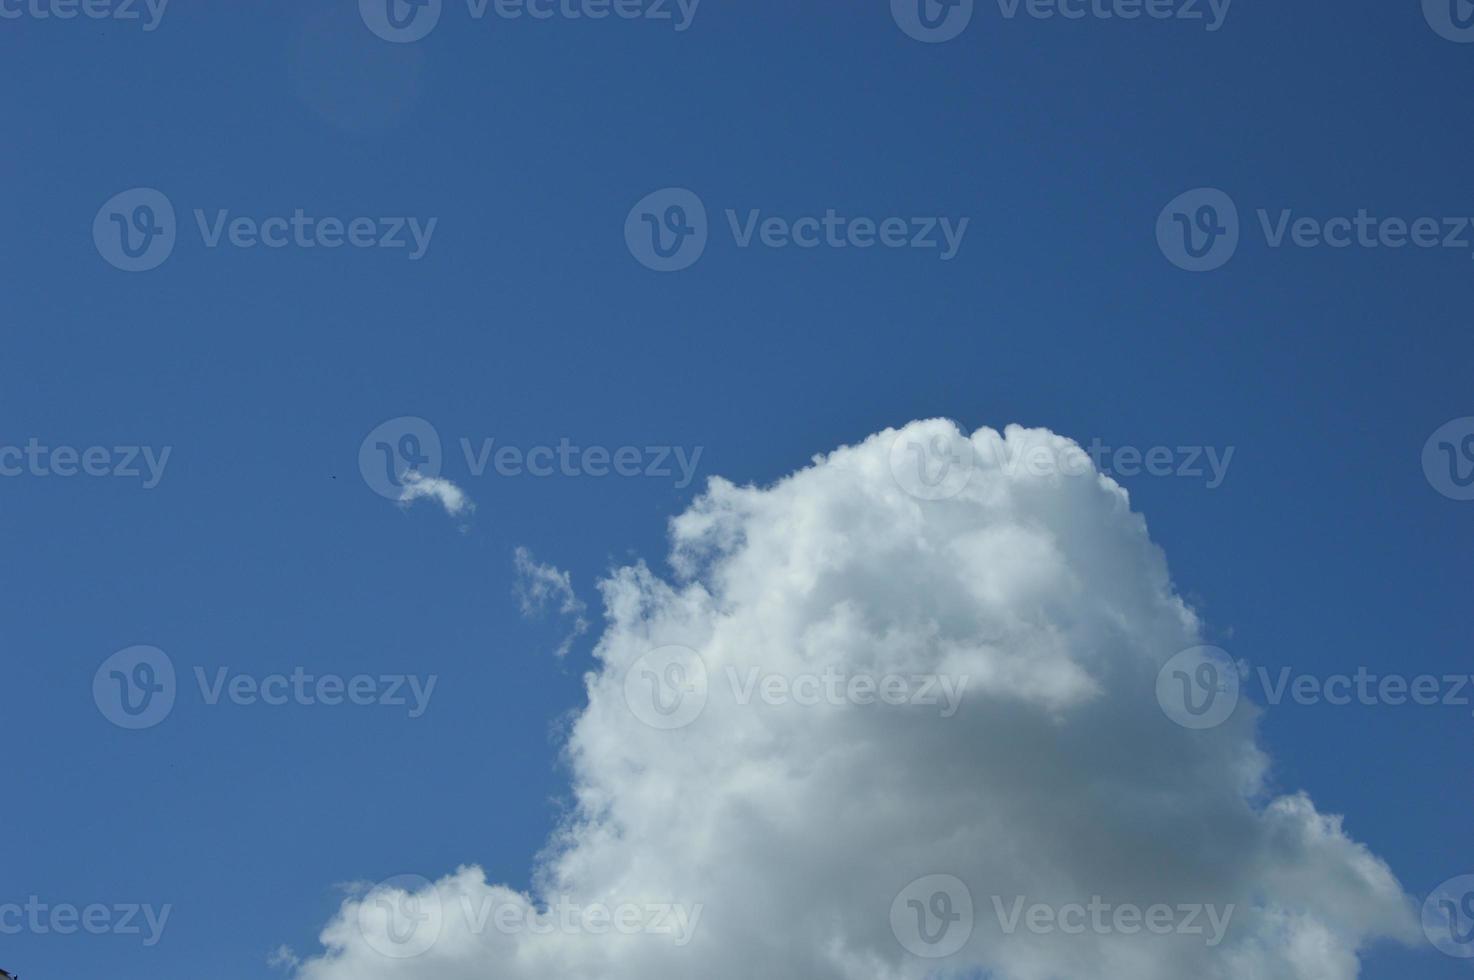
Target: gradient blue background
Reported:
point(529, 321)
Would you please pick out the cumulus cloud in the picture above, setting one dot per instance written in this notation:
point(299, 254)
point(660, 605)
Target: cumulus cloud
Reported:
point(540, 586)
point(419, 487)
point(717, 775)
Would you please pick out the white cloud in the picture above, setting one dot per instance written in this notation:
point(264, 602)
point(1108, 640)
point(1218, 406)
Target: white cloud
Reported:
point(794, 827)
point(539, 585)
point(282, 958)
point(449, 496)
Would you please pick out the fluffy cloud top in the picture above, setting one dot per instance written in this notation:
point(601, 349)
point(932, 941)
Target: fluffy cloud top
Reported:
point(779, 827)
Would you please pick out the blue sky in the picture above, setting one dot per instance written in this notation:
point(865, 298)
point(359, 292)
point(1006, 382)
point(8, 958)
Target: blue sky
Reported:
point(527, 320)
